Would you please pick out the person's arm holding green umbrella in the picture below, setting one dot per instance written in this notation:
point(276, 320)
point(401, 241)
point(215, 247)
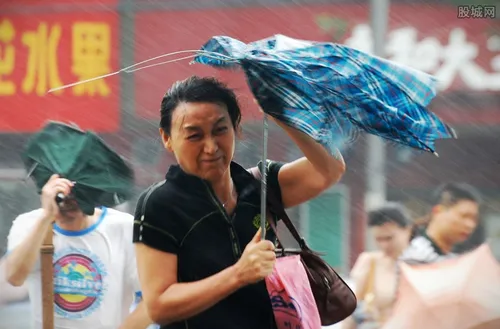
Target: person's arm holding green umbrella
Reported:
point(24, 247)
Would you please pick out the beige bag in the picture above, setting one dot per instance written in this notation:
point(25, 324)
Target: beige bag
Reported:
point(47, 272)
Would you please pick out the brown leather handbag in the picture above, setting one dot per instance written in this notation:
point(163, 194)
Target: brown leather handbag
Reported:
point(334, 299)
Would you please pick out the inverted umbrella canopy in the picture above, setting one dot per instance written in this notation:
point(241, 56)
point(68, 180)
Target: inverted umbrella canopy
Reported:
point(330, 91)
point(461, 293)
point(102, 178)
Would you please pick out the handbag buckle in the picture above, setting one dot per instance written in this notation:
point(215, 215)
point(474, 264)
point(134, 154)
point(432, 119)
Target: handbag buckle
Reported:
point(326, 282)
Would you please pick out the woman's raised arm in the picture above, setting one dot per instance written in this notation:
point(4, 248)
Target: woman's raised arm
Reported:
point(305, 178)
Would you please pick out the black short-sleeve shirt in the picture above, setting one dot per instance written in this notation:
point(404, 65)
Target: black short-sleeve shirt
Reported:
point(183, 216)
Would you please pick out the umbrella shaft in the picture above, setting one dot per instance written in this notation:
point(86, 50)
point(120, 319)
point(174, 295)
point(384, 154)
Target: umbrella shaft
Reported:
point(263, 192)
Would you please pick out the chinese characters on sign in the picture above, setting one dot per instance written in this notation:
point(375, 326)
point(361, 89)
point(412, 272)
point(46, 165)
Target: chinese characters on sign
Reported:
point(454, 59)
point(91, 48)
point(476, 11)
point(91, 54)
point(7, 60)
point(41, 68)
point(51, 51)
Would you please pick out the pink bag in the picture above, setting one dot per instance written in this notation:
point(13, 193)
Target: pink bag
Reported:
point(291, 295)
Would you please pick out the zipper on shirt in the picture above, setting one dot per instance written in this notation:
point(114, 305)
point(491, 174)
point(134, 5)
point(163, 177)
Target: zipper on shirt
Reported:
point(232, 231)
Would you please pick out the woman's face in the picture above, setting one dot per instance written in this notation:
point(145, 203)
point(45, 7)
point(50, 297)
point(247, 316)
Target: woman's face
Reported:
point(391, 238)
point(202, 139)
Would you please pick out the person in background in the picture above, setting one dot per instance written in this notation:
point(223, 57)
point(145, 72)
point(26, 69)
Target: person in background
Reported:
point(374, 273)
point(477, 238)
point(452, 220)
point(95, 273)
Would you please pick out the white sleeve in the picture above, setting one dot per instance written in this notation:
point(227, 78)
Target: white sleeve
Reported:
point(132, 275)
point(420, 251)
point(21, 227)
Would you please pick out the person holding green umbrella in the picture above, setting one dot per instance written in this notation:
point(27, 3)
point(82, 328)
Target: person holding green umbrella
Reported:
point(94, 268)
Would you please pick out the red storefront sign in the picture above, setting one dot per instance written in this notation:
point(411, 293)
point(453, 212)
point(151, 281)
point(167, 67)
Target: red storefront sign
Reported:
point(464, 54)
point(37, 4)
point(44, 51)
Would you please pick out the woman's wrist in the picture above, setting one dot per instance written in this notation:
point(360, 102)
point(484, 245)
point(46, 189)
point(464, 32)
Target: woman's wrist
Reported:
point(236, 280)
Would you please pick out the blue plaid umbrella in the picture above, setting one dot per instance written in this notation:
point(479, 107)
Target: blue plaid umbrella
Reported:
point(330, 91)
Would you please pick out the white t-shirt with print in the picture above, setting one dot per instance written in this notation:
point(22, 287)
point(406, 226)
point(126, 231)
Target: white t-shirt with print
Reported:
point(95, 273)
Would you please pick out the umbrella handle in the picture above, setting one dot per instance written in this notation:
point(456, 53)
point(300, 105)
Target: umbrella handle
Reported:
point(60, 198)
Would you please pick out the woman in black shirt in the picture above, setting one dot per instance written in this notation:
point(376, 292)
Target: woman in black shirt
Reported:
point(200, 257)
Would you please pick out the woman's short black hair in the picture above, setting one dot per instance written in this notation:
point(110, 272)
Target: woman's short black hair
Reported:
point(197, 90)
point(390, 212)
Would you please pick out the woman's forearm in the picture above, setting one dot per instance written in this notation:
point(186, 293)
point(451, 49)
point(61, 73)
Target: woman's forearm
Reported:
point(184, 300)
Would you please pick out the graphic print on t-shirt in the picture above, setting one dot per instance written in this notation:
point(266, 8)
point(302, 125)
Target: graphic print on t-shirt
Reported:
point(78, 283)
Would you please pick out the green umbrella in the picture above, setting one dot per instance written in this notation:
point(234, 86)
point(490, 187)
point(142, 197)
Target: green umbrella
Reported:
point(102, 178)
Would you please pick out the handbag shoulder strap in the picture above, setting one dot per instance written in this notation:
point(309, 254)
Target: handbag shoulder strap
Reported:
point(276, 207)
